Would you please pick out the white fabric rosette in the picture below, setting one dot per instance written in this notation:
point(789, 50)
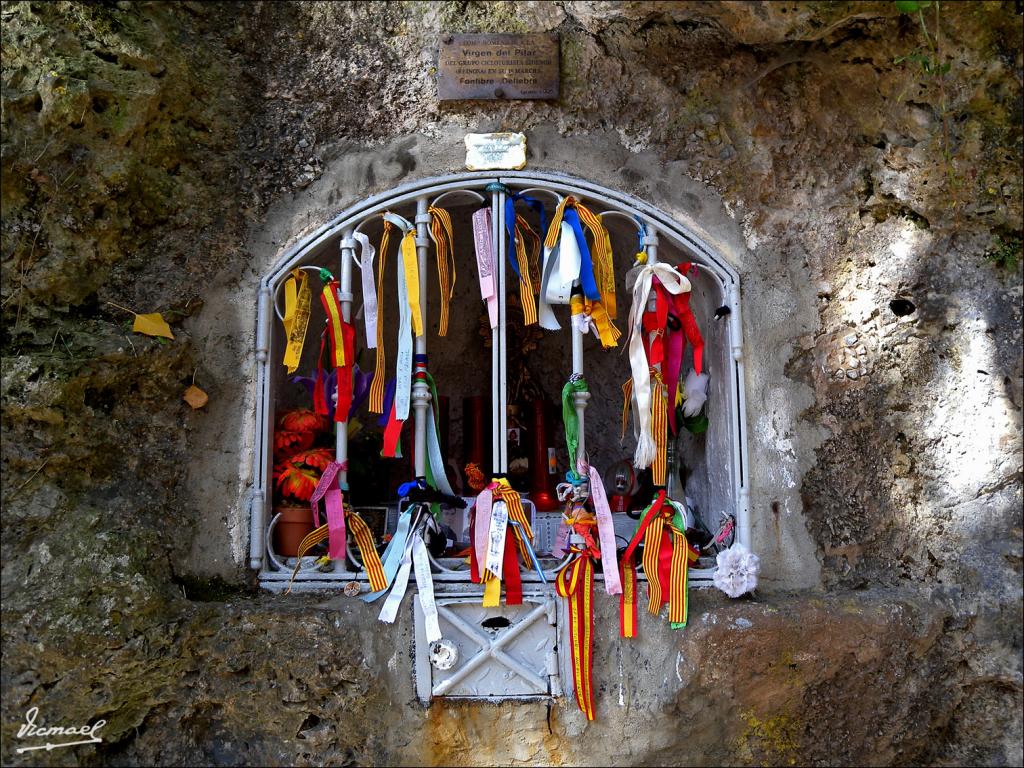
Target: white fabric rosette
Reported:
point(737, 570)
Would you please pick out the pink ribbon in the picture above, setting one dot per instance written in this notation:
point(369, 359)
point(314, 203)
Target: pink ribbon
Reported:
point(482, 525)
point(673, 362)
point(485, 262)
point(606, 533)
point(328, 490)
point(561, 540)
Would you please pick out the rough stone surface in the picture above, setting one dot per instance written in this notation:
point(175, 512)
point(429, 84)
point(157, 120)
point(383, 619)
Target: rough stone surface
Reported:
point(161, 156)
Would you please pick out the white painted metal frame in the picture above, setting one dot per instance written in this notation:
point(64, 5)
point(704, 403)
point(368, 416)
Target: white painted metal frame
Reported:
point(338, 233)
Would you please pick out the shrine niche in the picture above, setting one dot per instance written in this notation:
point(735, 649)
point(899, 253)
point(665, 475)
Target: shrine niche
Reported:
point(503, 385)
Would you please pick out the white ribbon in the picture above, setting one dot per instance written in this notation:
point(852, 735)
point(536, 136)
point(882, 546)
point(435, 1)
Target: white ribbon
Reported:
point(390, 610)
point(695, 391)
point(584, 323)
point(569, 263)
point(545, 316)
point(481, 525)
point(496, 537)
point(606, 533)
point(485, 262)
point(675, 284)
point(369, 288)
point(425, 586)
point(403, 365)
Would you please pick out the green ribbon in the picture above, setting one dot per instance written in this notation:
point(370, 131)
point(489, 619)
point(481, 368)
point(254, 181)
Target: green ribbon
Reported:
point(435, 508)
point(571, 421)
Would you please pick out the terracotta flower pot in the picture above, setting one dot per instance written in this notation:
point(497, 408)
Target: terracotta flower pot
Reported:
point(293, 526)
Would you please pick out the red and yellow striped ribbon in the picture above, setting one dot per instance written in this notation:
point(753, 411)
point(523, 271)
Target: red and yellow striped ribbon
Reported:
point(367, 551)
point(364, 542)
point(534, 257)
point(506, 493)
point(682, 556)
point(659, 516)
point(652, 552)
point(601, 253)
point(529, 269)
point(555, 225)
point(441, 226)
point(576, 582)
point(311, 539)
point(627, 401)
point(376, 403)
point(628, 601)
point(659, 428)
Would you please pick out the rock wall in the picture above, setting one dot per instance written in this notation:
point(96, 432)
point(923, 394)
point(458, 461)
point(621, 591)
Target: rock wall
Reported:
point(160, 156)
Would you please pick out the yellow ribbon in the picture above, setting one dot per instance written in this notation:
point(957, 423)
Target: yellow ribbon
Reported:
point(296, 317)
point(606, 329)
point(412, 281)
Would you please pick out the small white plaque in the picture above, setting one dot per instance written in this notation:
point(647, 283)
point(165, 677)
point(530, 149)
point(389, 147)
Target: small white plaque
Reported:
point(495, 151)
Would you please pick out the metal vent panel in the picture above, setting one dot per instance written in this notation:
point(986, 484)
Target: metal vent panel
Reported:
point(502, 653)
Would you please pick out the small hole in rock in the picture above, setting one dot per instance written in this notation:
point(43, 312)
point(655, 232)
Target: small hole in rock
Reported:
point(495, 622)
point(311, 721)
point(902, 307)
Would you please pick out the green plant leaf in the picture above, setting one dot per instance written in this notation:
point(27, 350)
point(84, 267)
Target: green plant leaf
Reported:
point(911, 6)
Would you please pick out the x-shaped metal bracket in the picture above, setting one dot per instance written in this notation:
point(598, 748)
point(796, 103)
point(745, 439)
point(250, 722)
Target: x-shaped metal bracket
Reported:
point(491, 648)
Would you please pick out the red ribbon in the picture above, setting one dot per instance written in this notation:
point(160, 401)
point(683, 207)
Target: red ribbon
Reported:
point(344, 377)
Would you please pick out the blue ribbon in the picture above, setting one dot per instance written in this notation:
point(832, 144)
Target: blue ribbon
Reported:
point(587, 280)
point(529, 549)
point(405, 488)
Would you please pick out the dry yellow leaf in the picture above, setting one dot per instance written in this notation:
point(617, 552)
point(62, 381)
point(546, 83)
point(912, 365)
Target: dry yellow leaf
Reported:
point(195, 397)
point(152, 324)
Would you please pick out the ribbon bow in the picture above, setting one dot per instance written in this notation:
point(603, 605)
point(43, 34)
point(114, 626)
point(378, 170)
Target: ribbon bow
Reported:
point(493, 554)
point(567, 253)
point(666, 562)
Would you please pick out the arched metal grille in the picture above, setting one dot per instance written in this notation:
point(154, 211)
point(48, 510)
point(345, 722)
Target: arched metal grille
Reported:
point(660, 236)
